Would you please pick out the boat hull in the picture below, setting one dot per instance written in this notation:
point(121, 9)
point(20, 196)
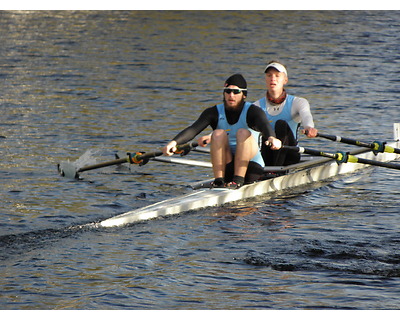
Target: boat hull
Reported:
point(325, 171)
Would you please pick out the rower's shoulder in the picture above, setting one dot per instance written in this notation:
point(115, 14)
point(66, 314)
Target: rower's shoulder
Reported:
point(258, 102)
point(210, 113)
point(254, 107)
point(298, 98)
point(211, 109)
point(255, 110)
point(300, 101)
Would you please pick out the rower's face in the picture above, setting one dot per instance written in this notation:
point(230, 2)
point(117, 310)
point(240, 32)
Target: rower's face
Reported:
point(233, 96)
point(275, 80)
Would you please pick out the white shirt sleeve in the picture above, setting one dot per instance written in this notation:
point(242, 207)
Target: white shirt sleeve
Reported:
point(301, 112)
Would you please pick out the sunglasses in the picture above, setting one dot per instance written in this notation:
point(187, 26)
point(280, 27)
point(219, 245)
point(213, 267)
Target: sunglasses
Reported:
point(235, 91)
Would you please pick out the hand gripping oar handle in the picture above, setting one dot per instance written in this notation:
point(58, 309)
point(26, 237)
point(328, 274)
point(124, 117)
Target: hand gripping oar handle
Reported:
point(376, 146)
point(342, 157)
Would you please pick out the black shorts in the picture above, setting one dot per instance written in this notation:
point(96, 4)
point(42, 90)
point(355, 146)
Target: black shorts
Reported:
point(253, 173)
point(281, 157)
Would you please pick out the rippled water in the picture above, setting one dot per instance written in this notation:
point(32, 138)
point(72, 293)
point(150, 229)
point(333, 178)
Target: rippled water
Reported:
point(83, 85)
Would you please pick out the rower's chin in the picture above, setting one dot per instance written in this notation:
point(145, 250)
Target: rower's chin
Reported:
point(231, 104)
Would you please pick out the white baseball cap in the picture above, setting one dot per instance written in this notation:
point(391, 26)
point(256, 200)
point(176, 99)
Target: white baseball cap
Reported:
point(277, 66)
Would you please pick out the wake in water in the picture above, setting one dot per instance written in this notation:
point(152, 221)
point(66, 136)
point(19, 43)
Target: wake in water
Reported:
point(15, 244)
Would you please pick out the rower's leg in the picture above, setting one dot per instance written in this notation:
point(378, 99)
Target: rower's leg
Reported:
point(281, 157)
point(246, 149)
point(220, 152)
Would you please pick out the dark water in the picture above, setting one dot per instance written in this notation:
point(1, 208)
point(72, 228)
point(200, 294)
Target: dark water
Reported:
point(83, 85)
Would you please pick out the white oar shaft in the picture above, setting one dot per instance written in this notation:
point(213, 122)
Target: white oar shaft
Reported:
point(183, 161)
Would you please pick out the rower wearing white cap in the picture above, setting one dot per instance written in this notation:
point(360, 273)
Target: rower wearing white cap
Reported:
point(286, 113)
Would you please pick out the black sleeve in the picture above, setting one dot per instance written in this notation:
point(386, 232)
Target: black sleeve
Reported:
point(208, 117)
point(257, 120)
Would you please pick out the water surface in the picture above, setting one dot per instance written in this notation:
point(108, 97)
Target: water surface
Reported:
point(83, 85)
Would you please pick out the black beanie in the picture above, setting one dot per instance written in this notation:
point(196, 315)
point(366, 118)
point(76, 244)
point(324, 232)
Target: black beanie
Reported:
point(236, 80)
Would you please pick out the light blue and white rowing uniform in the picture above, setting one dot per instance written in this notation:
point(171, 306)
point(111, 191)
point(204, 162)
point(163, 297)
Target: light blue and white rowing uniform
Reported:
point(232, 129)
point(285, 114)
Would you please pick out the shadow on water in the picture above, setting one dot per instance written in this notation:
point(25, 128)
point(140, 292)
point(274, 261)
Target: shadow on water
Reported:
point(347, 256)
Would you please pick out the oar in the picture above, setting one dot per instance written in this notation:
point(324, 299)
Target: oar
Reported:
point(68, 170)
point(174, 160)
point(376, 146)
point(342, 157)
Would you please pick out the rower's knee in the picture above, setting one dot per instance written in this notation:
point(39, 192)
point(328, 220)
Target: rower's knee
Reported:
point(219, 134)
point(242, 134)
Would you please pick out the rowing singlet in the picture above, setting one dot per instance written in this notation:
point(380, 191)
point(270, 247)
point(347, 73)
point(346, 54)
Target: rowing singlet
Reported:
point(232, 129)
point(286, 113)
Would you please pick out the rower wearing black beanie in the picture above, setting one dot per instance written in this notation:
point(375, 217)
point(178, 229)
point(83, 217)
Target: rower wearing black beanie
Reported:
point(237, 80)
point(236, 125)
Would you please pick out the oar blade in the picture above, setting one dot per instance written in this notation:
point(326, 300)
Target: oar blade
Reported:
point(68, 170)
